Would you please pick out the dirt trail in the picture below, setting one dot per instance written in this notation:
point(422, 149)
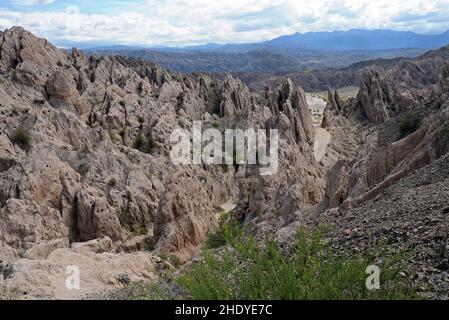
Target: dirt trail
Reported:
point(228, 206)
point(322, 139)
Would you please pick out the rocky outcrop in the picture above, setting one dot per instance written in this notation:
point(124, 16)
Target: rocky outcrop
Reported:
point(60, 85)
point(96, 162)
point(299, 180)
point(292, 102)
point(337, 184)
point(24, 224)
point(409, 216)
point(333, 109)
point(387, 156)
point(236, 97)
point(99, 268)
point(374, 98)
point(185, 216)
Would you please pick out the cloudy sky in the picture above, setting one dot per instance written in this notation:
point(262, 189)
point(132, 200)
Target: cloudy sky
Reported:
point(186, 22)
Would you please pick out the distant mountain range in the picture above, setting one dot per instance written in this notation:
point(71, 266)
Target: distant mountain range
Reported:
point(354, 39)
point(357, 39)
point(312, 50)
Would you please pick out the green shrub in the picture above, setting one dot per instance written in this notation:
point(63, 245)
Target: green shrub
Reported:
point(163, 256)
point(226, 228)
point(83, 169)
point(139, 142)
point(215, 97)
point(140, 232)
point(174, 261)
point(112, 182)
point(308, 271)
point(141, 119)
point(141, 145)
point(150, 245)
point(125, 217)
point(22, 138)
point(215, 240)
point(113, 136)
point(408, 124)
point(123, 278)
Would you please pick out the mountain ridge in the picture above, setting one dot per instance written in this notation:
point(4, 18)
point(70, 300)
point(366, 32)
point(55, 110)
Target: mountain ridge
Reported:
point(377, 39)
point(311, 50)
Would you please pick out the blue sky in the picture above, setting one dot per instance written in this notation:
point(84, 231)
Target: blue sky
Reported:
point(187, 22)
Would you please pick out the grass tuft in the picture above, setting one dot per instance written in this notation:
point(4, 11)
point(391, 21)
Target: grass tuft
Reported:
point(22, 138)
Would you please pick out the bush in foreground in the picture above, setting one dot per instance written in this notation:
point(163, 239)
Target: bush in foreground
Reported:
point(247, 270)
point(22, 138)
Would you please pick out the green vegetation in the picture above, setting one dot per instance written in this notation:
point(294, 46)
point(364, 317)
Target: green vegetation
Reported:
point(217, 239)
point(139, 142)
point(307, 271)
point(22, 138)
point(215, 125)
point(114, 136)
point(140, 232)
point(141, 119)
point(125, 217)
point(112, 182)
point(123, 279)
point(172, 259)
point(141, 145)
point(214, 97)
point(408, 124)
point(150, 245)
point(83, 169)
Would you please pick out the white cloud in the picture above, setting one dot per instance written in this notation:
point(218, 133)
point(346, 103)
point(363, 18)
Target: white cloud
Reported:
point(31, 2)
point(181, 22)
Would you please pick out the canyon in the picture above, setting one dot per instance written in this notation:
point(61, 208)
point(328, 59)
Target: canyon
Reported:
point(86, 177)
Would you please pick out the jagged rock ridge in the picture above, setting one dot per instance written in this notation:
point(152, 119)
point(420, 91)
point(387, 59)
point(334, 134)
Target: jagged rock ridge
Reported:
point(84, 154)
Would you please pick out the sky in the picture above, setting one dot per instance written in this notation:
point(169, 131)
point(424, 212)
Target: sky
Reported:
point(190, 22)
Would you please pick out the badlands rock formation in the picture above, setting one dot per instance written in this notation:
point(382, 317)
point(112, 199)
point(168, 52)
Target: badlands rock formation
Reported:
point(394, 188)
point(86, 177)
point(84, 156)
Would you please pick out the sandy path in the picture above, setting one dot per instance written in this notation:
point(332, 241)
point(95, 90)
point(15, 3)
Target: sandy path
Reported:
point(228, 206)
point(322, 139)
